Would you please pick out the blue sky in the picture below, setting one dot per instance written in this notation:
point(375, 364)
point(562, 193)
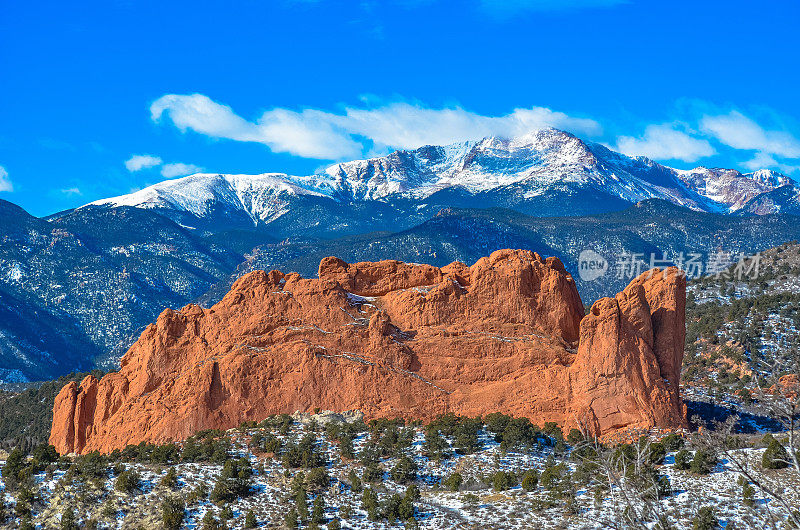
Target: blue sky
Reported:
point(102, 98)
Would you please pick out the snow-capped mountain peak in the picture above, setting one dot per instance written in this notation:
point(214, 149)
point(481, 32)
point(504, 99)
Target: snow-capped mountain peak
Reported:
point(545, 172)
point(262, 197)
point(730, 187)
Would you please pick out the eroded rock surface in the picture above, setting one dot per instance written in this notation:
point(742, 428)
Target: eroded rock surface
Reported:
point(394, 339)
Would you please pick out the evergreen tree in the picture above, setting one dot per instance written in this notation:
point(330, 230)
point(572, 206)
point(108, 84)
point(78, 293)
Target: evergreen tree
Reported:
point(173, 512)
point(250, 520)
point(318, 510)
point(776, 456)
point(68, 520)
point(369, 501)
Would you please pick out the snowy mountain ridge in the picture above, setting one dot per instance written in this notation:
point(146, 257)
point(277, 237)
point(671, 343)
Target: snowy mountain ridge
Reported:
point(511, 171)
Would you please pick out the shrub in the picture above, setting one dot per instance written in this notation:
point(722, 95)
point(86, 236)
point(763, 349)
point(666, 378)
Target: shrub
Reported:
point(650, 484)
point(250, 520)
point(496, 422)
point(672, 442)
point(401, 508)
point(272, 444)
point(301, 500)
point(552, 429)
point(233, 482)
point(206, 446)
point(226, 514)
point(165, 454)
point(705, 519)
point(355, 482)
point(256, 441)
point(746, 396)
point(318, 510)
point(128, 481)
point(173, 511)
point(291, 518)
point(404, 471)
point(517, 432)
point(683, 460)
point(22, 508)
point(471, 499)
point(346, 446)
point(776, 456)
point(465, 436)
point(369, 501)
point(199, 493)
point(170, 479)
point(91, 465)
point(657, 453)
point(43, 455)
point(434, 446)
point(453, 481)
point(391, 508)
point(68, 521)
point(703, 463)
point(503, 480)
point(334, 524)
point(373, 473)
point(298, 483)
point(318, 479)
point(530, 479)
point(574, 437)
point(303, 454)
point(108, 511)
point(748, 492)
point(11, 469)
point(552, 475)
point(210, 522)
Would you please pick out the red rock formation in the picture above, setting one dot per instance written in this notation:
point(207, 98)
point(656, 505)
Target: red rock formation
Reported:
point(393, 339)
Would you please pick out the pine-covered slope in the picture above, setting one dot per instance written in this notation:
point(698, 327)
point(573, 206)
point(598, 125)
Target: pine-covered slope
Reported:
point(74, 290)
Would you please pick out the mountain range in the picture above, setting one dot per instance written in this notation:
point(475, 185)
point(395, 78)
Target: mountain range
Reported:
point(545, 173)
point(77, 287)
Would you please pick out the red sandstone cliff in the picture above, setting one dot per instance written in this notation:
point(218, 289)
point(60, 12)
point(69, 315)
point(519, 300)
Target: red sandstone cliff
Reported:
point(394, 339)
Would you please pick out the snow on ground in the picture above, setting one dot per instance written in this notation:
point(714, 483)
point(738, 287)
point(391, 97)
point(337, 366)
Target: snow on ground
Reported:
point(475, 506)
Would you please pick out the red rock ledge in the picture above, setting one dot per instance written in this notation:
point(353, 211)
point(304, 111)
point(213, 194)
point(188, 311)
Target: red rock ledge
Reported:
point(394, 340)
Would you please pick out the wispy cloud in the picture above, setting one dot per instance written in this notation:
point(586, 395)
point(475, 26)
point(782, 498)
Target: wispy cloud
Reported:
point(178, 169)
point(376, 126)
point(738, 131)
point(324, 135)
point(139, 162)
point(5, 181)
point(703, 131)
point(665, 142)
point(763, 160)
point(69, 192)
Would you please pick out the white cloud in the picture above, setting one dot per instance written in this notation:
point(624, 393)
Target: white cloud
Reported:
point(5, 182)
point(665, 142)
point(137, 162)
point(740, 132)
point(179, 169)
point(313, 133)
point(763, 160)
point(71, 191)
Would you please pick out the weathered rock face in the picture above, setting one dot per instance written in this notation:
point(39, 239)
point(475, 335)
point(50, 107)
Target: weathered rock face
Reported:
point(393, 339)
